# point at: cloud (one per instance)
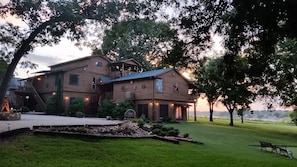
(50, 55)
(65, 51)
(43, 60)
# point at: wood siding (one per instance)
(86, 69)
(145, 93)
(145, 89)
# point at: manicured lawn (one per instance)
(224, 146)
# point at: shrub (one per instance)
(127, 131)
(186, 135)
(79, 114)
(25, 109)
(54, 106)
(119, 110)
(176, 132)
(168, 119)
(172, 133)
(160, 130)
(77, 105)
(157, 126)
(143, 117)
(81, 130)
(105, 108)
(156, 131)
(163, 133)
(141, 123)
(165, 129)
(50, 107)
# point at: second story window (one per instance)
(98, 64)
(94, 83)
(73, 79)
(159, 85)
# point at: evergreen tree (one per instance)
(59, 103)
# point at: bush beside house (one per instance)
(107, 108)
(77, 108)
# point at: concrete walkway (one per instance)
(30, 120)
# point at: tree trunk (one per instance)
(25, 47)
(210, 112)
(7, 77)
(231, 117)
(241, 118)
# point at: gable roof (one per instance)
(147, 74)
(79, 59)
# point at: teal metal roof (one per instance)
(105, 79)
(147, 74)
(15, 83)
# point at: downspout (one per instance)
(62, 89)
(153, 100)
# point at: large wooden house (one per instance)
(157, 94)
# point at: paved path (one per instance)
(29, 120)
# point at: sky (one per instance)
(66, 50)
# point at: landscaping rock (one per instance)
(10, 116)
(126, 129)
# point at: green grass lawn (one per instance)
(224, 146)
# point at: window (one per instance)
(98, 64)
(94, 83)
(163, 111)
(142, 110)
(73, 79)
(71, 99)
(159, 85)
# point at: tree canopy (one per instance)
(144, 40)
(240, 22)
(260, 23)
(207, 78)
(233, 91)
(282, 73)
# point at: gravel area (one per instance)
(30, 120)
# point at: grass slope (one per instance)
(224, 146)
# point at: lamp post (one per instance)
(195, 109)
